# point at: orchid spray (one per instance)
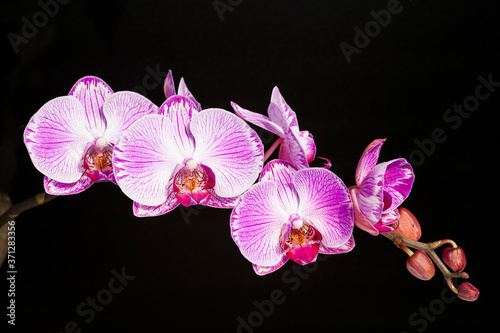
(181, 153)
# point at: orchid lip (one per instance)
(302, 242)
(98, 160)
(192, 182)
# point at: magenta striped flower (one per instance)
(296, 147)
(185, 156)
(71, 138)
(292, 214)
(379, 190)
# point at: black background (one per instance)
(189, 275)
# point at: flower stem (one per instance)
(14, 211)
(429, 248)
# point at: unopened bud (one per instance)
(454, 258)
(408, 225)
(420, 265)
(467, 292)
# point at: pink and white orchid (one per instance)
(71, 138)
(292, 214)
(296, 147)
(184, 156)
(379, 190)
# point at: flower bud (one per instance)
(408, 225)
(467, 292)
(454, 258)
(420, 265)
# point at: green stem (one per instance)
(14, 211)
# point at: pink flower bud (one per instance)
(420, 265)
(454, 258)
(408, 225)
(467, 292)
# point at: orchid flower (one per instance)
(71, 138)
(292, 214)
(296, 147)
(169, 89)
(379, 190)
(183, 156)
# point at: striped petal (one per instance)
(122, 109)
(147, 211)
(179, 111)
(286, 111)
(388, 222)
(168, 85)
(368, 160)
(228, 146)
(258, 120)
(360, 219)
(370, 194)
(145, 158)
(281, 173)
(184, 91)
(92, 92)
(306, 141)
(54, 187)
(256, 224)
(398, 181)
(291, 149)
(56, 138)
(346, 247)
(325, 203)
(263, 270)
(221, 202)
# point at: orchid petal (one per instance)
(368, 160)
(147, 211)
(325, 203)
(92, 92)
(179, 111)
(221, 202)
(145, 158)
(56, 139)
(290, 149)
(258, 120)
(168, 85)
(184, 91)
(54, 187)
(370, 196)
(398, 181)
(263, 270)
(388, 222)
(360, 219)
(286, 111)
(346, 247)
(122, 109)
(227, 145)
(306, 141)
(281, 173)
(256, 224)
